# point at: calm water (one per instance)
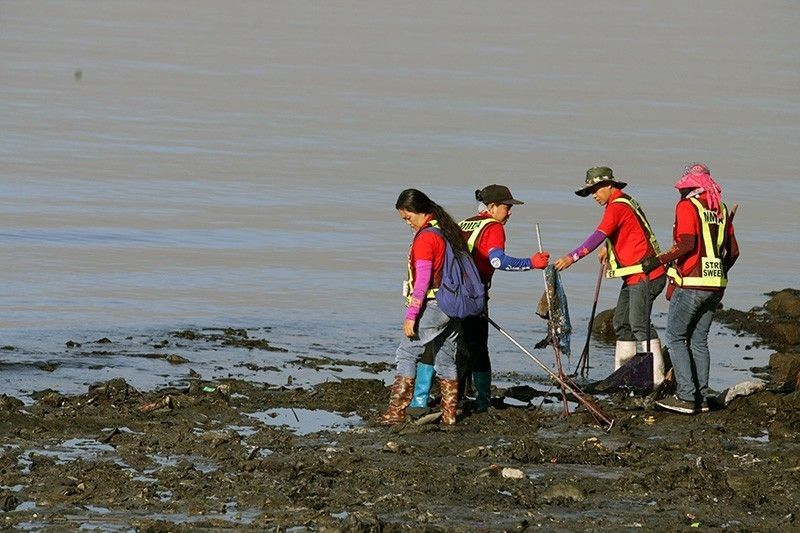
(207, 164)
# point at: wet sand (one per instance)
(238, 454)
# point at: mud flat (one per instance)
(238, 454)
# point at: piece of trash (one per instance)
(696, 524)
(512, 473)
(209, 389)
(166, 401)
(745, 388)
(429, 418)
(650, 420)
(392, 446)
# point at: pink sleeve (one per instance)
(423, 272)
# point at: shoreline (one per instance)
(239, 454)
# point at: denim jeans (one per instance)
(434, 327)
(690, 314)
(633, 310)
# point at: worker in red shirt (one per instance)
(425, 324)
(629, 240)
(704, 249)
(486, 240)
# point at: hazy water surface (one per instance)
(207, 164)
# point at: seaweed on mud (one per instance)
(202, 461)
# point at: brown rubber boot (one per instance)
(449, 390)
(402, 391)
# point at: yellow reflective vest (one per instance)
(614, 269)
(709, 271)
(408, 284)
(472, 228)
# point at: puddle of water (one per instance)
(562, 470)
(25, 506)
(144, 479)
(243, 431)
(96, 509)
(305, 421)
(764, 437)
(68, 451)
(122, 429)
(201, 464)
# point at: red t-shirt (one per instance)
(492, 236)
(428, 245)
(631, 244)
(687, 222)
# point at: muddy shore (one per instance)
(236, 454)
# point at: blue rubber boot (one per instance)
(422, 386)
(482, 381)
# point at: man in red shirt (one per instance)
(704, 249)
(629, 240)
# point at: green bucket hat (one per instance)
(597, 177)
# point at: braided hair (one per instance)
(416, 201)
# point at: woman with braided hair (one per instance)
(424, 322)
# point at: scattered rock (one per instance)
(512, 473)
(785, 303)
(787, 333)
(564, 491)
(603, 326)
(8, 502)
(9, 403)
(785, 368)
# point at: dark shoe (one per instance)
(704, 406)
(676, 405)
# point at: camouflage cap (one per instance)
(597, 177)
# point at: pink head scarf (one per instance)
(697, 176)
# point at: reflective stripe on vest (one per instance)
(408, 285)
(711, 272)
(616, 271)
(474, 228)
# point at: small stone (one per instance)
(564, 491)
(512, 473)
